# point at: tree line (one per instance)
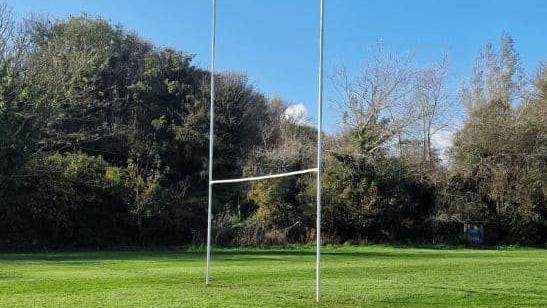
(104, 142)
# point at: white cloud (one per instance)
(297, 113)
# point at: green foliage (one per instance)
(104, 141)
(500, 158)
(66, 200)
(374, 197)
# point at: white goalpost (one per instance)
(317, 169)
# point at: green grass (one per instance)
(374, 276)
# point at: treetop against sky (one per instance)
(275, 42)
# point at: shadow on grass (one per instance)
(245, 254)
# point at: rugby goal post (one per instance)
(317, 169)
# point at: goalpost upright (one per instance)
(317, 169)
(319, 156)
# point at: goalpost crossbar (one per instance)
(263, 177)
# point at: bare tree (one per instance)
(497, 78)
(7, 29)
(287, 140)
(381, 90)
(433, 103)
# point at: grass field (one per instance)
(374, 276)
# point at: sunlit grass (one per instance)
(374, 276)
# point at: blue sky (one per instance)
(275, 42)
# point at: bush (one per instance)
(67, 200)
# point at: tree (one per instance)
(434, 105)
(499, 149)
(370, 193)
(71, 200)
(377, 99)
(282, 208)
